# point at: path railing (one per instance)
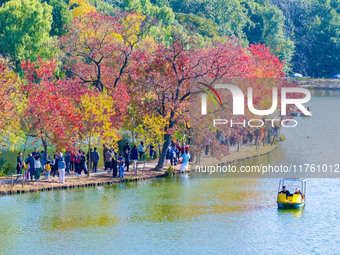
(16, 177)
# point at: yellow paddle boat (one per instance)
(297, 199)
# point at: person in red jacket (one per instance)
(178, 149)
(72, 165)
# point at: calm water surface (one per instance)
(188, 214)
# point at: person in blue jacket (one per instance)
(61, 168)
(30, 160)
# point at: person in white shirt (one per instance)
(61, 167)
(38, 168)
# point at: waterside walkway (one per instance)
(104, 178)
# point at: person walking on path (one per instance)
(178, 150)
(141, 150)
(56, 161)
(127, 159)
(151, 150)
(30, 161)
(185, 160)
(95, 158)
(173, 158)
(48, 169)
(43, 159)
(108, 160)
(27, 172)
(127, 147)
(72, 162)
(114, 164)
(19, 163)
(38, 168)
(168, 155)
(77, 160)
(61, 168)
(68, 161)
(134, 158)
(121, 166)
(82, 164)
(35, 153)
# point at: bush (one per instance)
(170, 171)
(5, 168)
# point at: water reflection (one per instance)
(189, 213)
(295, 212)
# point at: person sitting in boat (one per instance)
(297, 191)
(284, 191)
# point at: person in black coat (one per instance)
(134, 158)
(114, 164)
(127, 147)
(19, 163)
(284, 191)
(127, 159)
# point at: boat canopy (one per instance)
(294, 180)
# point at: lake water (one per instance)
(188, 214)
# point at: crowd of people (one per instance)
(177, 152)
(38, 163)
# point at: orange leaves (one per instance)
(11, 106)
(265, 65)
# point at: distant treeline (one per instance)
(303, 33)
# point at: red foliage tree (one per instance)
(51, 104)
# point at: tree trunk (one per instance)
(23, 155)
(154, 153)
(45, 147)
(159, 149)
(162, 157)
(206, 149)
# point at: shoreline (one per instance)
(103, 178)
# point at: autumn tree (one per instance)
(165, 77)
(98, 50)
(51, 104)
(12, 104)
(98, 122)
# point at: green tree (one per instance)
(3, 1)
(314, 27)
(163, 14)
(192, 22)
(324, 56)
(61, 16)
(267, 27)
(105, 6)
(24, 28)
